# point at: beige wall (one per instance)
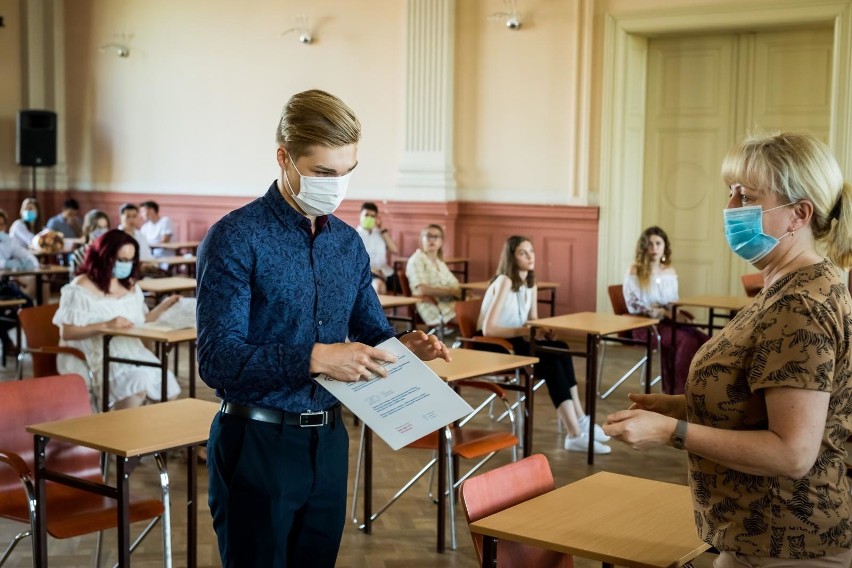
(11, 82)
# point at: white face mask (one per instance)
(319, 195)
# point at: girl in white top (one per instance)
(24, 229)
(650, 288)
(509, 303)
(429, 275)
(105, 297)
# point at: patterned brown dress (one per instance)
(796, 333)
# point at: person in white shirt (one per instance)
(378, 242)
(24, 229)
(129, 213)
(156, 229)
(13, 256)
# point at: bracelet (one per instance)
(679, 435)
(398, 335)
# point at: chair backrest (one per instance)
(404, 287)
(753, 283)
(44, 399)
(467, 316)
(616, 298)
(502, 488)
(37, 325)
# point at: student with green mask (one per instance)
(377, 241)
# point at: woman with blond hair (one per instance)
(768, 401)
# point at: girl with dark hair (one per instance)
(650, 288)
(95, 224)
(104, 296)
(509, 303)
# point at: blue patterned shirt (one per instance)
(268, 290)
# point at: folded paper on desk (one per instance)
(410, 403)
(179, 316)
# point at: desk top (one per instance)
(593, 322)
(627, 521)
(169, 284)
(484, 284)
(172, 260)
(177, 245)
(43, 269)
(720, 302)
(397, 301)
(469, 363)
(136, 431)
(156, 333)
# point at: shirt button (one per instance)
(320, 322)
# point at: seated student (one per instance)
(12, 256)
(95, 224)
(156, 228)
(104, 297)
(68, 221)
(24, 229)
(378, 242)
(650, 287)
(129, 213)
(429, 275)
(508, 304)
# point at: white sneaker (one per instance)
(581, 444)
(600, 436)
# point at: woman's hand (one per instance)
(169, 302)
(672, 405)
(640, 429)
(119, 322)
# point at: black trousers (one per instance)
(277, 493)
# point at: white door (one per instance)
(704, 93)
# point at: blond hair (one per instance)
(797, 166)
(312, 118)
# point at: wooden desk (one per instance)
(394, 302)
(39, 273)
(172, 263)
(595, 327)
(481, 286)
(128, 435)
(625, 521)
(465, 364)
(730, 304)
(165, 339)
(178, 246)
(162, 286)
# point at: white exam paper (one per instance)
(410, 403)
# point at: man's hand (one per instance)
(349, 362)
(426, 347)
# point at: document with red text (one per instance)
(411, 402)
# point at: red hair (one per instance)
(101, 256)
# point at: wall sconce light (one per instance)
(511, 17)
(119, 49)
(303, 28)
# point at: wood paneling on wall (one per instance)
(565, 237)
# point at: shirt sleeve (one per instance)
(798, 349)
(633, 296)
(226, 358)
(167, 227)
(415, 271)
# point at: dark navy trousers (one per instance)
(277, 493)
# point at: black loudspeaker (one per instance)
(36, 144)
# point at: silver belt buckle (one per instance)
(309, 419)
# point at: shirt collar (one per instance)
(288, 213)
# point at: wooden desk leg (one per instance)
(105, 375)
(191, 369)
(191, 509)
(489, 552)
(528, 410)
(40, 536)
(442, 490)
(124, 467)
(368, 480)
(39, 282)
(592, 341)
(553, 302)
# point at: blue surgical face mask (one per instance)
(744, 232)
(29, 215)
(122, 269)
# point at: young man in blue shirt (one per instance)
(282, 284)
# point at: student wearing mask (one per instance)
(378, 242)
(24, 229)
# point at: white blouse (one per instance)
(661, 291)
(516, 305)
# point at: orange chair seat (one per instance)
(469, 443)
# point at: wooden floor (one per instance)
(404, 537)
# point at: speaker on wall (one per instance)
(36, 142)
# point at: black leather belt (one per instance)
(300, 419)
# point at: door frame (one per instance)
(623, 106)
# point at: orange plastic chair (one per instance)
(504, 487)
(752, 283)
(70, 512)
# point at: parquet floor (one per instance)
(404, 537)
